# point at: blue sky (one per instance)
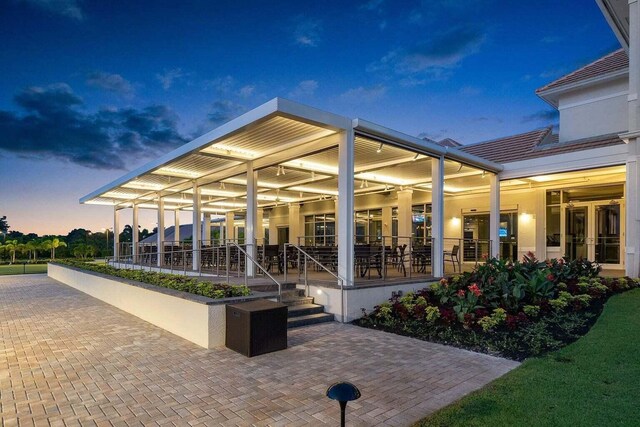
(91, 89)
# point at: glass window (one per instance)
(319, 229)
(421, 221)
(553, 226)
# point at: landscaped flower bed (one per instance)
(171, 281)
(511, 309)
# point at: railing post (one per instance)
(306, 277)
(228, 261)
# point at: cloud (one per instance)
(247, 91)
(470, 91)
(546, 116)
(52, 124)
(443, 51)
(364, 94)
(168, 77)
(224, 110)
(372, 5)
(307, 32)
(304, 88)
(222, 85)
(111, 83)
(69, 8)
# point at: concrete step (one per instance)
(291, 294)
(272, 287)
(304, 310)
(297, 301)
(310, 319)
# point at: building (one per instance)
(360, 198)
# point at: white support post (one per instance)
(230, 233)
(196, 236)
(260, 226)
(437, 215)
(116, 233)
(345, 207)
(250, 225)
(494, 214)
(632, 188)
(160, 233)
(405, 202)
(135, 237)
(294, 223)
(176, 226)
(206, 227)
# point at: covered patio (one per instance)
(290, 193)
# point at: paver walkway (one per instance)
(69, 359)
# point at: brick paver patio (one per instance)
(69, 359)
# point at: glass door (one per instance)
(577, 232)
(607, 233)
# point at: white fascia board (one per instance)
(566, 162)
(551, 95)
(422, 146)
(311, 115)
(615, 22)
(276, 106)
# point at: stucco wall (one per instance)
(593, 111)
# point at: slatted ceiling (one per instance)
(194, 165)
(408, 173)
(366, 154)
(124, 193)
(267, 135)
(269, 177)
(471, 181)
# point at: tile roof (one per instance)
(535, 144)
(449, 142)
(615, 61)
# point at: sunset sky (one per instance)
(91, 89)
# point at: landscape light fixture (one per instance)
(343, 393)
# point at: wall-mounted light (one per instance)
(455, 220)
(379, 150)
(526, 217)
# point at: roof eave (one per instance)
(551, 95)
(276, 106)
(618, 24)
(425, 147)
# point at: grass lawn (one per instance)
(20, 269)
(593, 382)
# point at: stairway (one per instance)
(302, 310)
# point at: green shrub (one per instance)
(188, 284)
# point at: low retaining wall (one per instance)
(357, 298)
(196, 318)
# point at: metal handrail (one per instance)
(257, 264)
(306, 278)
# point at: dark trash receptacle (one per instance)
(256, 327)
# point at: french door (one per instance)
(595, 231)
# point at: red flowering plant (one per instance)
(466, 302)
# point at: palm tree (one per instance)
(56, 243)
(33, 247)
(11, 246)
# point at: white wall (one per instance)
(200, 323)
(597, 110)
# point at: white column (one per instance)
(196, 228)
(405, 201)
(632, 199)
(116, 233)
(250, 225)
(437, 215)
(160, 233)
(387, 223)
(494, 214)
(294, 223)
(345, 207)
(336, 212)
(134, 234)
(260, 226)
(230, 233)
(632, 216)
(273, 226)
(176, 226)
(206, 228)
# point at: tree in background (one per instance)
(82, 250)
(11, 246)
(4, 227)
(32, 248)
(52, 245)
